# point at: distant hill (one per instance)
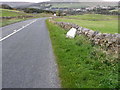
(69, 4)
(82, 4)
(76, 0)
(17, 4)
(44, 5)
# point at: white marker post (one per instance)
(71, 33)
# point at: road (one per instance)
(27, 57)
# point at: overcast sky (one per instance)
(38, 0)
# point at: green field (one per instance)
(93, 17)
(67, 5)
(80, 4)
(11, 13)
(15, 13)
(102, 23)
(81, 64)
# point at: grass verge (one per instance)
(82, 65)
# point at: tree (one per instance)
(5, 6)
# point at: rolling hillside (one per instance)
(16, 4)
(16, 16)
(11, 13)
(76, 0)
(82, 4)
(71, 4)
(51, 4)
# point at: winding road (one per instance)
(27, 56)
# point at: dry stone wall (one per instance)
(110, 42)
(15, 17)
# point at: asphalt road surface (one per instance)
(27, 56)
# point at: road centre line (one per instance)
(15, 31)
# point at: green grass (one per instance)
(82, 65)
(80, 4)
(15, 13)
(9, 10)
(115, 10)
(11, 13)
(67, 5)
(102, 23)
(94, 17)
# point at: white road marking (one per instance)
(15, 31)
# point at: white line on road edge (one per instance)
(15, 31)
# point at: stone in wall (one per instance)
(110, 41)
(90, 33)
